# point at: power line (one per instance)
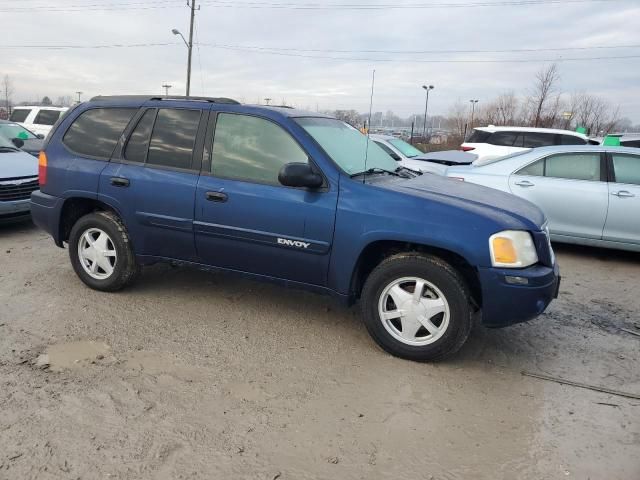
(316, 50)
(161, 4)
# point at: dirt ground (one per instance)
(195, 375)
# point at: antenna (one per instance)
(366, 150)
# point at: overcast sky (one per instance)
(250, 74)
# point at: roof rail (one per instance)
(162, 97)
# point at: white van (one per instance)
(38, 119)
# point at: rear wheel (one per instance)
(417, 307)
(101, 253)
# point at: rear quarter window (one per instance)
(570, 140)
(47, 117)
(20, 114)
(479, 136)
(95, 132)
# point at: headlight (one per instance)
(512, 249)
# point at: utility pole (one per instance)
(193, 16)
(473, 110)
(79, 93)
(166, 87)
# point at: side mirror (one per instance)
(299, 175)
(40, 136)
(18, 142)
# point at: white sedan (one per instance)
(590, 194)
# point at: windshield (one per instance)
(407, 149)
(346, 145)
(13, 130)
(5, 144)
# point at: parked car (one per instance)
(18, 178)
(590, 194)
(286, 196)
(38, 119)
(626, 140)
(21, 137)
(492, 142)
(410, 157)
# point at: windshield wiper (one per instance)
(8, 149)
(377, 170)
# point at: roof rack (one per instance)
(162, 97)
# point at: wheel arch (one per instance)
(74, 208)
(376, 251)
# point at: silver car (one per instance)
(590, 194)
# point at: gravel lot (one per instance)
(196, 375)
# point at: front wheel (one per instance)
(417, 307)
(101, 253)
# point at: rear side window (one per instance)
(630, 143)
(626, 168)
(138, 144)
(252, 149)
(571, 140)
(47, 117)
(479, 136)
(20, 114)
(173, 138)
(574, 166)
(538, 139)
(95, 132)
(503, 139)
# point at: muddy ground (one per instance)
(196, 375)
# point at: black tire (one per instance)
(441, 275)
(125, 269)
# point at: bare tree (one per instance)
(543, 103)
(7, 91)
(593, 113)
(458, 118)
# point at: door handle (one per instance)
(119, 182)
(623, 194)
(525, 183)
(216, 196)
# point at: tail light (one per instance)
(42, 168)
(467, 149)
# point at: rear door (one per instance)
(570, 188)
(623, 220)
(153, 180)
(245, 219)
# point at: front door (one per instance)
(153, 183)
(569, 188)
(623, 220)
(246, 220)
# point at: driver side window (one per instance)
(252, 149)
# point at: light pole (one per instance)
(267, 100)
(166, 87)
(189, 45)
(79, 93)
(473, 110)
(426, 106)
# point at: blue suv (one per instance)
(294, 197)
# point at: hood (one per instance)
(506, 209)
(17, 164)
(448, 157)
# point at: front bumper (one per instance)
(45, 212)
(516, 295)
(14, 210)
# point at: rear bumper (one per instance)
(516, 295)
(45, 212)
